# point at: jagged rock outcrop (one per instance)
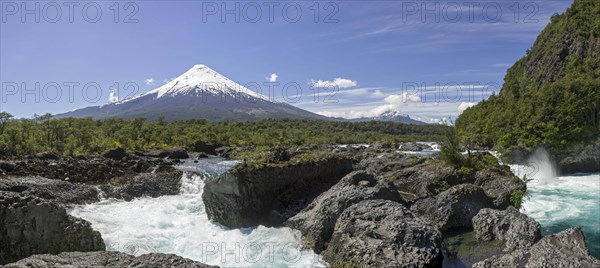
(515, 229)
(116, 154)
(47, 156)
(584, 159)
(564, 249)
(316, 222)
(57, 191)
(423, 177)
(149, 184)
(65, 193)
(269, 194)
(30, 225)
(454, 207)
(381, 233)
(417, 177)
(499, 183)
(203, 147)
(106, 259)
(81, 169)
(170, 153)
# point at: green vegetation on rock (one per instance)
(516, 198)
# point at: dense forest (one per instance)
(551, 97)
(83, 136)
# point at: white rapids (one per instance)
(179, 225)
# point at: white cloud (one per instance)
(272, 78)
(166, 81)
(354, 92)
(432, 112)
(464, 105)
(338, 82)
(378, 93)
(149, 81)
(392, 103)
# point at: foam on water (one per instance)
(559, 203)
(179, 225)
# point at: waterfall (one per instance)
(541, 167)
(193, 183)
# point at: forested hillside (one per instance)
(550, 97)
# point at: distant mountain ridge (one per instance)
(393, 116)
(199, 93)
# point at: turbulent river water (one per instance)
(179, 225)
(561, 202)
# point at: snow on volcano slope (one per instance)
(202, 79)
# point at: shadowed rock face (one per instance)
(269, 195)
(106, 259)
(30, 225)
(585, 160)
(499, 184)
(454, 207)
(515, 229)
(381, 233)
(564, 249)
(317, 221)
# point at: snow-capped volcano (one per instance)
(199, 93)
(202, 79)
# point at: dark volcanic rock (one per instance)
(89, 170)
(203, 147)
(224, 151)
(499, 183)
(413, 146)
(416, 177)
(60, 192)
(581, 160)
(564, 249)
(171, 153)
(268, 195)
(116, 154)
(515, 229)
(454, 207)
(106, 259)
(30, 225)
(152, 185)
(317, 220)
(47, 156)
(379, 233)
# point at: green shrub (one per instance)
(440, 185)
(465, 171)
(450, 148)
(516, 198)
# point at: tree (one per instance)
(4, 118)
(45, 120)
(450, 148)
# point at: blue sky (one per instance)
(377, 50)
